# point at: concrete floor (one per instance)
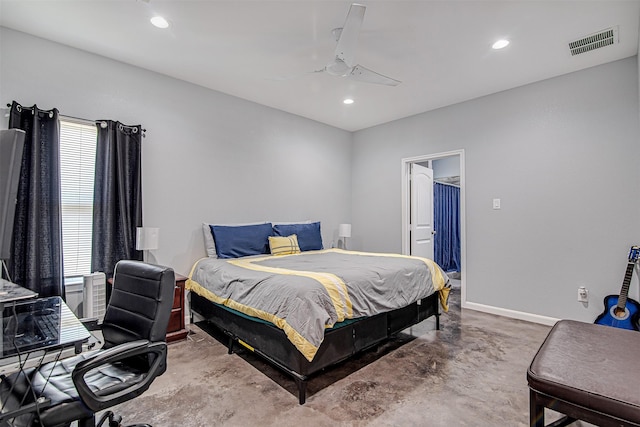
(470, 373)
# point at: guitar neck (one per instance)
(622, 300)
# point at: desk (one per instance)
(10, 292)
(34, 332)
(40, 324)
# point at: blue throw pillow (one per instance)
(309, 237)
(242, 240)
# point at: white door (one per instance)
(421, 211)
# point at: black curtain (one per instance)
(36, 256)
(117, 208)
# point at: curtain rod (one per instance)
(446, 183)
(82, 119)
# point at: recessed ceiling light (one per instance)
(159, 22)
(348, 101)
(500, 44)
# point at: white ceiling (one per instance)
(263, 50)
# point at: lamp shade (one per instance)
(147, 238)
(344, 230)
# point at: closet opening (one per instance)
(442, 209)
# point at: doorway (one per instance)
(455, 158)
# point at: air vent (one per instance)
(594, 41)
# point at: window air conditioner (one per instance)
(94, 300)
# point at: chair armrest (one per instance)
(123, 351)
(91, 323)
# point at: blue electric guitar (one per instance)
(620, 311)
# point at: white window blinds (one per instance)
(77, 170)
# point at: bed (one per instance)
(273, 289)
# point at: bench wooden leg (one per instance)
(536, 413)
(536, 410)
(562, 422)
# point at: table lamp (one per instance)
(344, 231)
(147, 238)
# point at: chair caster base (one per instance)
(116, 421)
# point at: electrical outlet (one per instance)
(583, 294)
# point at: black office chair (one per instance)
(133, 354)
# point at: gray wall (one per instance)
(207, 156)
(562, 154)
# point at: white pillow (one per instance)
(209, 243)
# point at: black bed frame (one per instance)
(339, 344)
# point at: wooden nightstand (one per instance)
(176, 329)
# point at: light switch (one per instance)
(496, 203)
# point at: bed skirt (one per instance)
(339, 343)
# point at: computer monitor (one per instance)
(11, 146)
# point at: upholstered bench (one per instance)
(587, 372)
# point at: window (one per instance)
(77, 170)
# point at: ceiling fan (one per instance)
(343, 64)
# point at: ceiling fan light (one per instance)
(500, 44)
(160, 22)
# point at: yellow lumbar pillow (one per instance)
(284, 245)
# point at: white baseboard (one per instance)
(520, 315)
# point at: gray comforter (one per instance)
(305, 293)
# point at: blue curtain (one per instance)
(446, 203)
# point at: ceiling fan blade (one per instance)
(363, 74)
(348, 41)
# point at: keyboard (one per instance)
(33, 330)
(37, 331)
